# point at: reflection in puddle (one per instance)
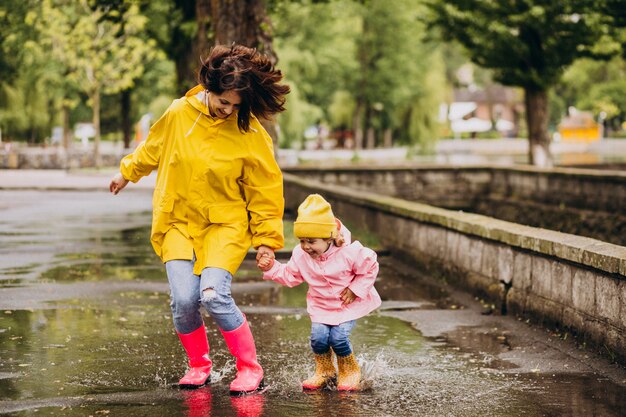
(100, 354)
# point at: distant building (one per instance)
(476, 110)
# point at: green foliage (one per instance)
(397, 66)
(299, 114)
(375, 57)
(341, 109)
(27, 113)
(526, 43)
(596, 86)
(338, 53)
(315, 44)
(25, 77)
(99, 54)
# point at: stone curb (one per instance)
(590, 252)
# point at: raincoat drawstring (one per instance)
(194, 124)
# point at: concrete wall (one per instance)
(570, 281)
(583, 202)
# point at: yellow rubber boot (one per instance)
(324, 371)
(349, 378)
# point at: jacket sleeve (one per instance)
(365, 270)
(288, 275)
(263, 189)
(146, 157)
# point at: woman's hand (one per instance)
(118, 182)
(265, 263)
(347, 296)
(265, 257)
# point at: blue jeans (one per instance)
(211, 289)
(324, 336)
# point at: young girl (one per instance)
(341, 279)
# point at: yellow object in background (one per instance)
(580, 127)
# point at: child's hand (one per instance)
(265, 262)
(347, 296)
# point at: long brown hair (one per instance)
(251, 74)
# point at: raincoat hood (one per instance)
(198, 98)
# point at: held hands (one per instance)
(347, 296)
(265, 258)
(118, 182)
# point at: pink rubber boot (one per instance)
(196, 345)
(249, 373)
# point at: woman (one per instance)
(218, 191)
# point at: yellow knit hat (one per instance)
(315, 219)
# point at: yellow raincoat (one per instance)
(218, 191)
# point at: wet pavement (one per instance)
(85, 330)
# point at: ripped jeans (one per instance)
(211, 289)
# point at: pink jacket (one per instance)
(351, 265)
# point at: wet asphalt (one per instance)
(85, 329)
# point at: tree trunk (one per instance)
(537, 121)
(126, 124)
(203, 23)
(181, 47)
(370, 133)
(387, 138)
(67, 133)
(96, 125)
(370, 138)
(245, 22)
(357, 126)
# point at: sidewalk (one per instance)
(40, 179)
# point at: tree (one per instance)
(23, 83)
(392, 91)
(100, 55)
(363, 67)
(527, 43)
(615, 15)
(316, 43)
(597, 87)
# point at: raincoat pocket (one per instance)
(227, 214)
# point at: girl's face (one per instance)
(222, 105)
(315, 246)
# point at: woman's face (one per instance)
(222, 105)
(314, 246)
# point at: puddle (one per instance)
(89, 332)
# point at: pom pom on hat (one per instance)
(315, 219)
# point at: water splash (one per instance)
(373, 369)
(218, 374)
